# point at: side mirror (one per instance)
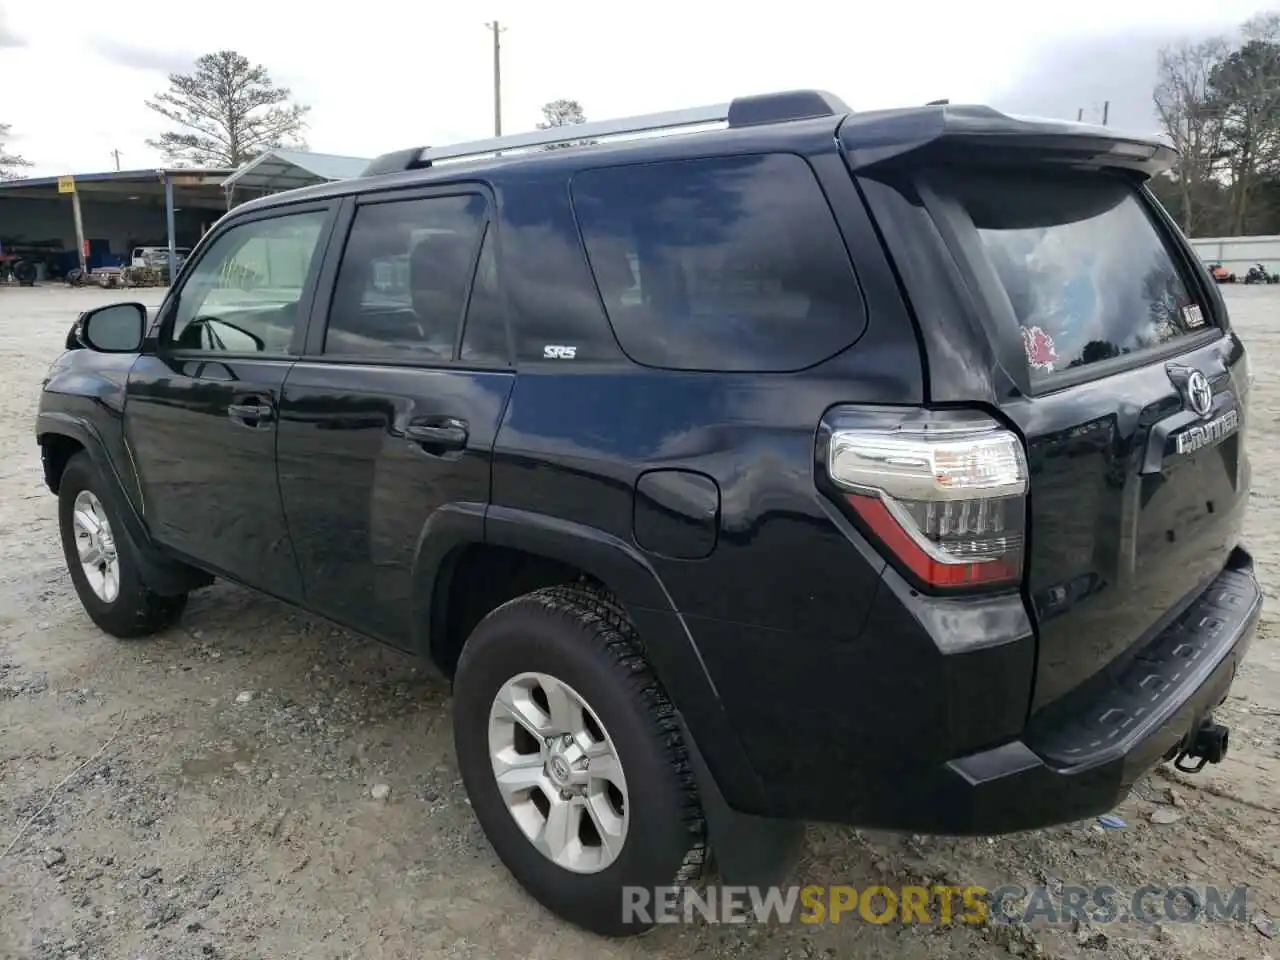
(116, 328)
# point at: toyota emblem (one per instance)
(1199, 393)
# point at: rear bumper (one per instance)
(889, 731)
(1085, 759)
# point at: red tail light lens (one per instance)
(945, 494)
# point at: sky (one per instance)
(386, 76)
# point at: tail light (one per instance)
(943, 491)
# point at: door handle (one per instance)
(443, 434)
(251, 413)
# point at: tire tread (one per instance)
(592, 606)
(137, 611)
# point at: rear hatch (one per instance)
(1051, 288)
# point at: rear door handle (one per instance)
(251, 413)
(446, 433)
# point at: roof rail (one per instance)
(740, 112)
(645, 123)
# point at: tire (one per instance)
(130, 610)
(582, 640)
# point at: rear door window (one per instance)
(1085, 268)
(402, 284)
(727, 264)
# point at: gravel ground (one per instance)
(227, 806)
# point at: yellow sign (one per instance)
(66, 184)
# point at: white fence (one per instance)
(1238, 254)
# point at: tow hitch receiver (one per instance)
(1207, 744)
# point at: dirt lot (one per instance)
(226, 807)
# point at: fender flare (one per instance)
(84, 432)
(748, 848)
(161, 574)
(460, 524)
(79, 429)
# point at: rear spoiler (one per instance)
(950, 132)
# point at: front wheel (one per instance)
(574, 762)
(102, 560)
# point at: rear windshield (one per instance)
(1086, 270)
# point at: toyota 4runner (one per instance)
(793, 464)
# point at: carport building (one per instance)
(279, 170)
(93, 220)
(54, 221)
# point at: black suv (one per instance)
(794, 464)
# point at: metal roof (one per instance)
(209, 175)
(286, 169)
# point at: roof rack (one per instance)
(740, 112)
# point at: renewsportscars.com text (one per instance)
(940, 905)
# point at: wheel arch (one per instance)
(748, 847)
(56, 451)
(566, 551)
(632, 582)
(61, 436)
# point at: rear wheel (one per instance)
(102, 560)
(573, 760)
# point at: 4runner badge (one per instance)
(1197, 396)
(1207, 434)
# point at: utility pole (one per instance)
(1080, 115)
(1106, 111)
(116, 154)
(497, 76)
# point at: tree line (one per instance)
(11, 164)
(228, 111)
(1218, 101)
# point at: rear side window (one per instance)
(729, 264)
(484, 338)
(1085, 268)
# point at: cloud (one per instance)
(1086, 73)
(601, 55)
(142, 58)
(8, 36)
